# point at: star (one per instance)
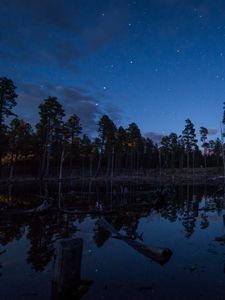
(131, 62)
(104, 87)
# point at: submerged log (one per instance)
(86, 212)
(38, 210)
(67, 283)
(160, 255)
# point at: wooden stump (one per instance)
(68, 268)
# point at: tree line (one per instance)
(57, 146)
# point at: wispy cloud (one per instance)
(76, 100)
(54, 32)
(154, 136)
(213, 131)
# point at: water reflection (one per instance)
(189, 207)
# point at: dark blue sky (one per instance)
(154, 62)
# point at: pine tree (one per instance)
(107, 134)
(121, 146)
(20, 141)
(189, 139)
(74, 129)
(48, 129)
(204, 132)
(135, 145)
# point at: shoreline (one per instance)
(166, 176)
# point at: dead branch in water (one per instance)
(160, 255)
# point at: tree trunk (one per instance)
(193, 161)
(112, 162)
(188, 159)
(99, 164)
(91, 162)
(61, 163)
(11, 167)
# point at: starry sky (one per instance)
(154, 62)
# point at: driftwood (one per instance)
(117, 209)
(38, 210)
(67, 283)
(91, 212)
(160, 255)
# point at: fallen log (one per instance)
(86, 212)
(159, 255)
(38, 210)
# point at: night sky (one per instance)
(154, 62)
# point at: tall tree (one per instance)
(222, 139)
(121, 146)
(85, 152)
(174, 148)
(48, 129)
(165, 150)
(7, 102)
(135, 145)
(204, 132)
(151, 155)
(74, 129)
(20, 141)
(189, 138)
(107, 134)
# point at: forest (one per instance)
(56, 145)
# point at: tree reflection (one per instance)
(186, 204)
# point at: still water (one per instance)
(185, 219)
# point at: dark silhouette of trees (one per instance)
(74, 129)
(48, 131)
(135, 146)
(190, 141)
(107, 135)
(57, 147)
(7, 102)
(20, 138)
(203, 139)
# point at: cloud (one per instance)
(114, 112)
(57, 33)
(154, 136)
(212, 131)
(111, 25)
(76, 100)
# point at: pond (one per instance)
(185, 219)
